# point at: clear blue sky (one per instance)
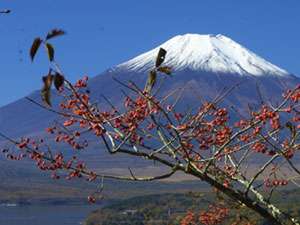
(103, 33)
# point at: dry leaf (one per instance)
(34, 47)
(58, 80)
(160, 57)
(46, 90)
(50, 51)
(165, 70)
(55, 33)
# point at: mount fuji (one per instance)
(210, 53)
(202, 65)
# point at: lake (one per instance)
(44, 214)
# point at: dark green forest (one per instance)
(169, 209)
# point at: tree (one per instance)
(202, 143)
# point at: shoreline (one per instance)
(48, 202)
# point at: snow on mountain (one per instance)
(211, 53)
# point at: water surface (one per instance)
(44, 214)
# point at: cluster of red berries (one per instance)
(275, 182)
(214, 215)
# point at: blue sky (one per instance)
(104, 33)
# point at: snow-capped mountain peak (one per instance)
(213, 53)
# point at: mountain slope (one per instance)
(203, 65)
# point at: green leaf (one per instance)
(160, 57)
(50, 51)
(55, 33)
(34, 47)
(46, 90)
(58, 80)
